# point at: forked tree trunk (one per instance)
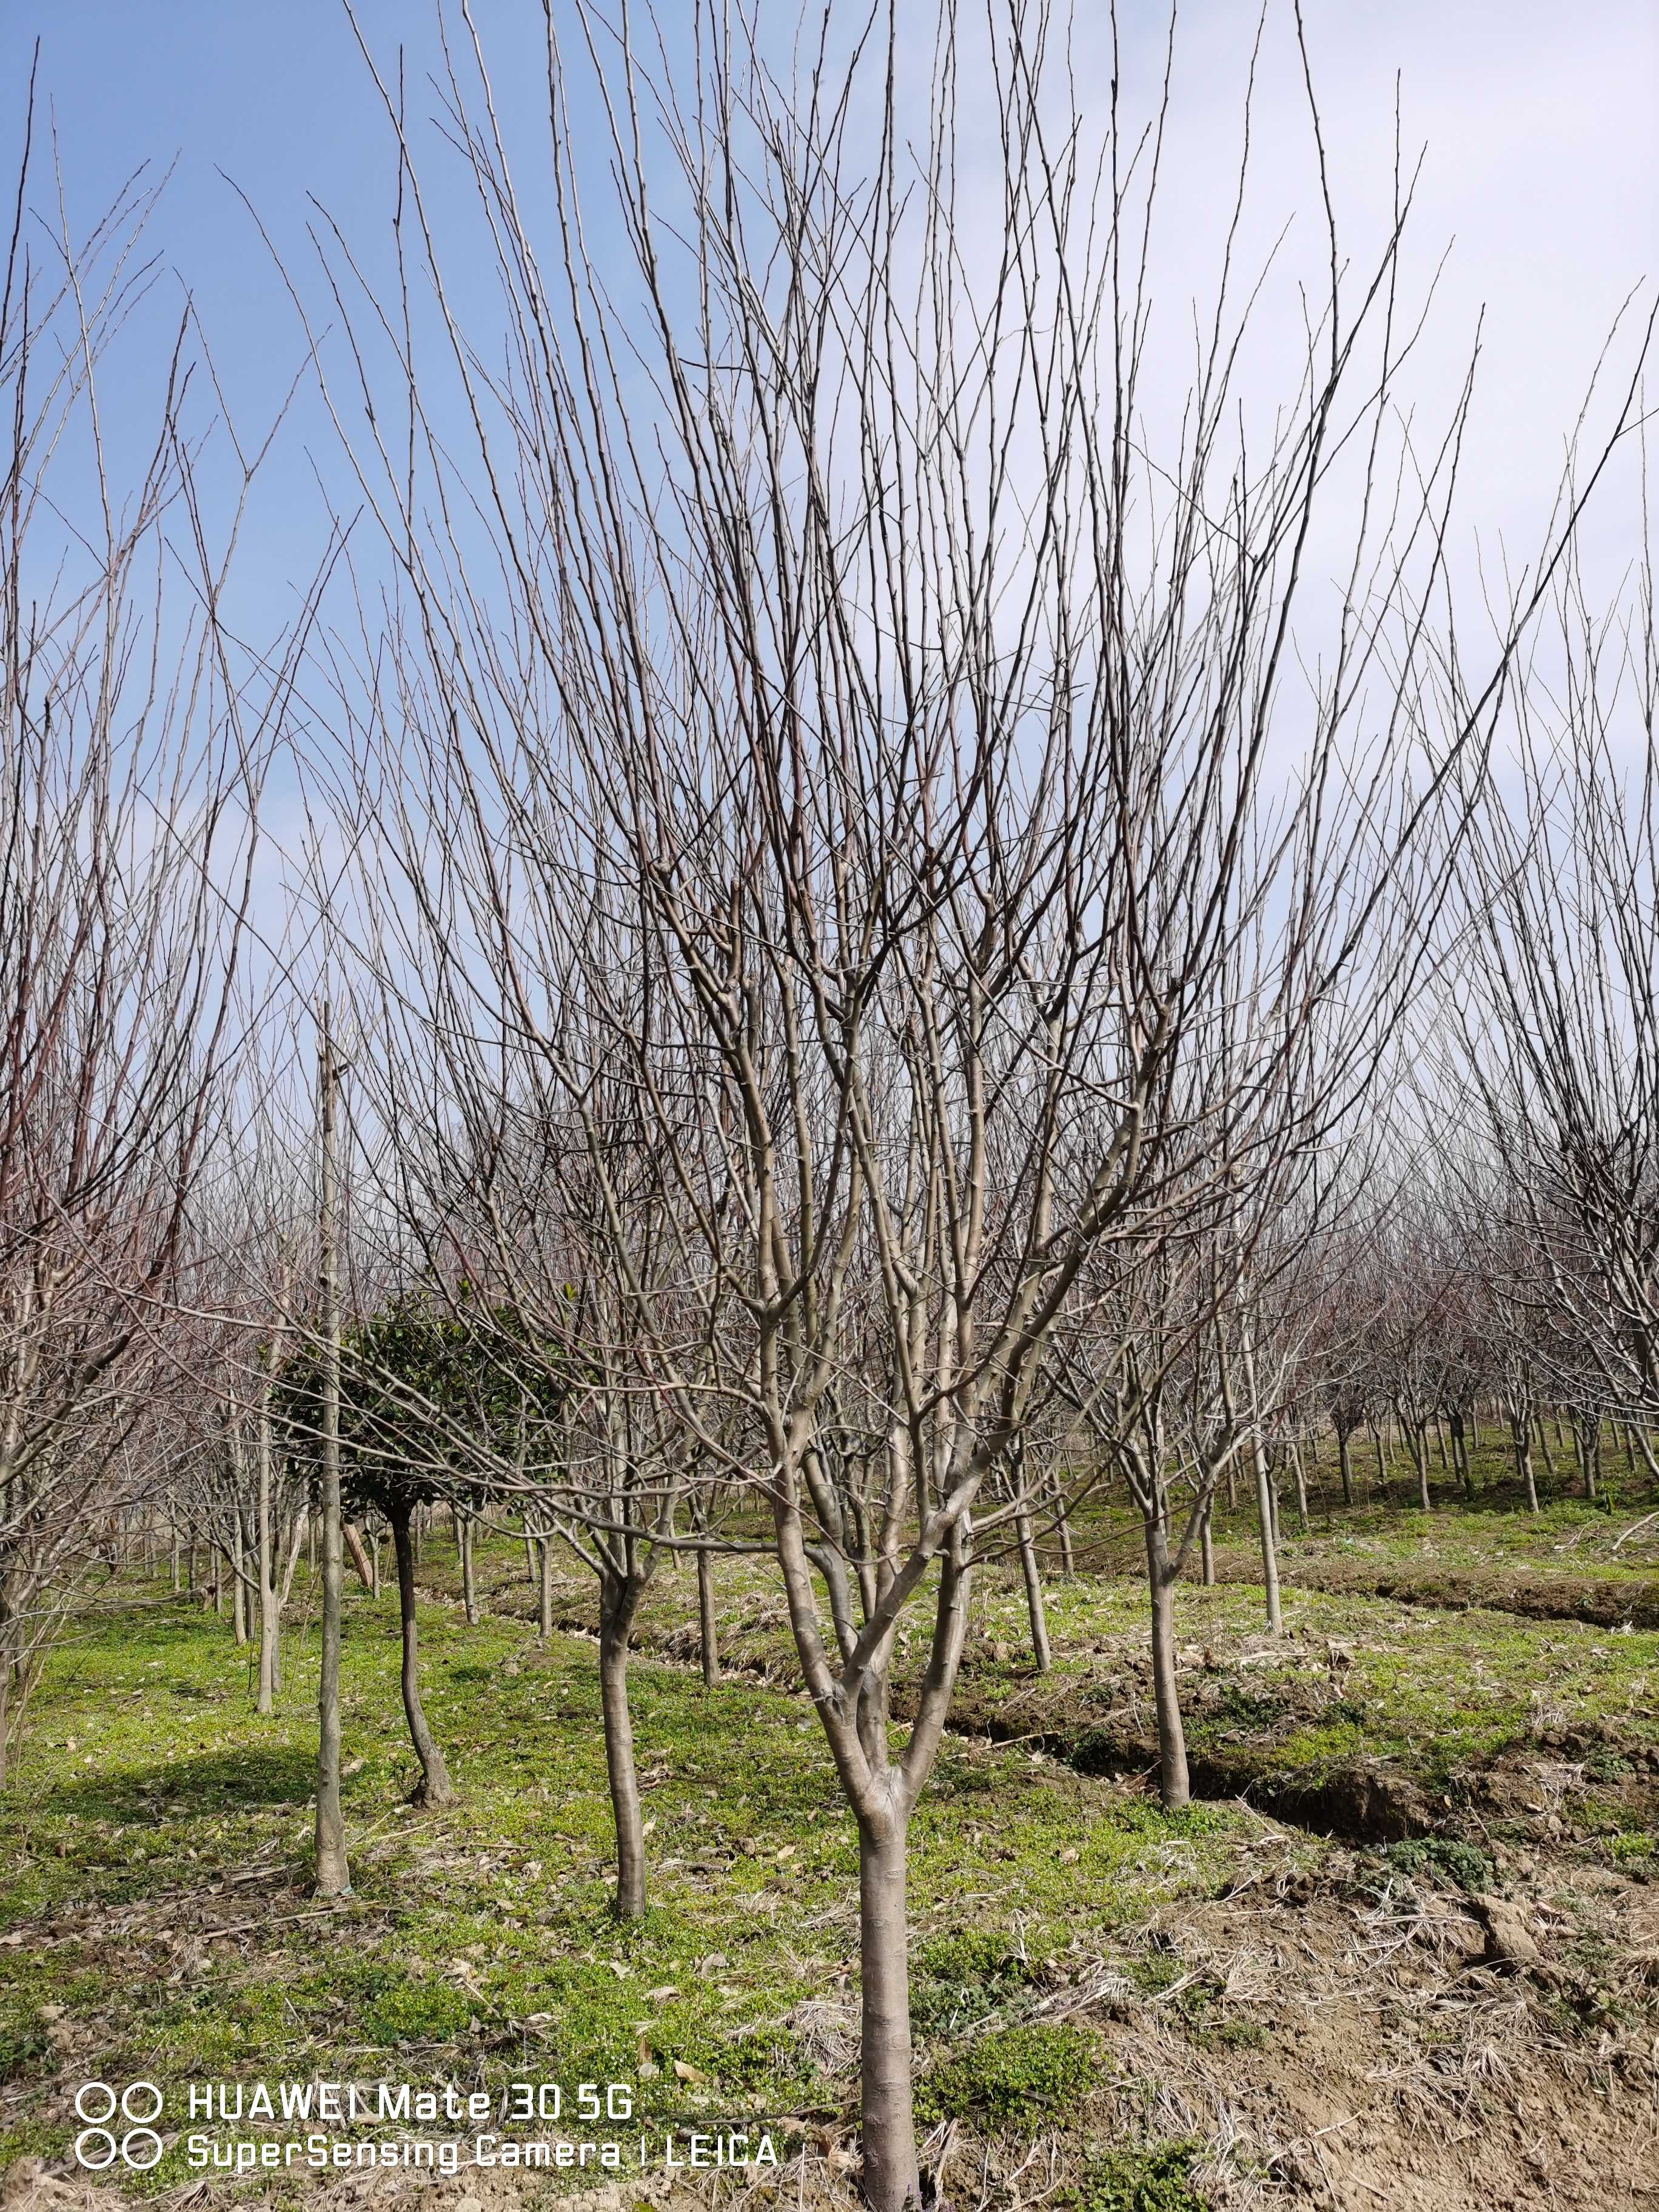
(1173, 1784)
(707, 1633)
(891, 2180)
(436, 1788)
(624, 1783)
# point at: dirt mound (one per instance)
(1603, 1600)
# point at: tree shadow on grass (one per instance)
(240, 1780)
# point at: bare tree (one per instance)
(136, 735)
(815, 712)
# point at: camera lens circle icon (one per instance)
(140, 2089)
(141, 2147)
(95, 2089)
(94, 2147)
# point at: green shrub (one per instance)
(22, 2043)
(960, 1979)
(763, 2060)
(1471, 1870)
(1009, 2076)
(1152, 2180)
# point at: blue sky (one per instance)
(1543, 162)
(1542, 173)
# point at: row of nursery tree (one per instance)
(834, 930)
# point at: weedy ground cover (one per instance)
(1086, 1970)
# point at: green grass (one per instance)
(479, 1947)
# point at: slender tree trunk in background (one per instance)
(1460, 1456)
(1174, 1785)
(1417, 1442)
(469, 1589)
(615, 1619)
(1063, 1524)
(239, 1609)
(1382, 1466)
(529, 1557)
(1300, 1477)
(1266, 1518)
(436, 1788)
(174, 1562)
(267, 1565)
(1521, 1429)
(890, 2177)
(1440, 1445)
(1035, 1613)
(1560, 1433)
(545, 1616)
(707, 1632)
(1264, 1514)
(352, 1537)
(333, 1873)
(1544, 1445)
(1345, 1464)
(1206, 1547)
(1588, 1438)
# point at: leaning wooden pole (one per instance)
(333, 1874)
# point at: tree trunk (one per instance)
(1034, 1606)
(619, 1760)
(1382, 1465)
(1264, 1514)
(1266, 1518)
(1417, 1443)
(354, 1543)
(333, 1874)
(1174, 1785)
(1207, 1547)
(1345, 1461)
(1063, 1523)
(707, 1633)
(434, 1787)
(1298, 1475)
(469, 1592)
(545, 1616)
(891, 2180)
(1522, 1432)
(1461, 1455)
(1544, 1445)
(267, 1565)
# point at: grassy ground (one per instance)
(1200, 1991)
